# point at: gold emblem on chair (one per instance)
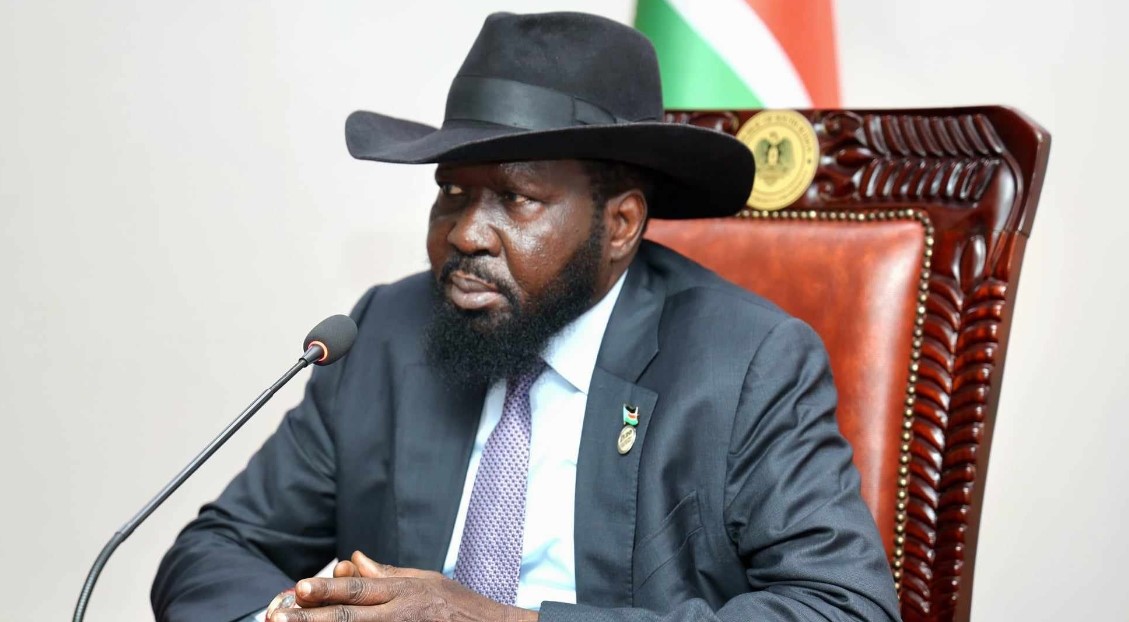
(786, 151)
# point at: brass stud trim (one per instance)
(901, 518)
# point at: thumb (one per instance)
(345, 568)
(366, 567)
(372, 569)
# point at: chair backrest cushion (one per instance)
(857, 279)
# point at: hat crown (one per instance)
(587, 57)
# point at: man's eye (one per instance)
(513, 198)
(450, 190)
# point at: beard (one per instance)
(472, 348)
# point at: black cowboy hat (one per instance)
(567, 86)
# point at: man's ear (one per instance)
(624, 217)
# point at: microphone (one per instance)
(327, 342)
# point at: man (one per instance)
(568, 422)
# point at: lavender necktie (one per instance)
(489, 560)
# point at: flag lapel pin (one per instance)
(627, 435)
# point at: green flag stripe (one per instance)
(694, 75)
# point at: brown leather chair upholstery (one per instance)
(904, 254)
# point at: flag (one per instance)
(743, 53)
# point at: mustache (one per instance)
(478, 267)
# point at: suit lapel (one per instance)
(607, 482)
(435, 431)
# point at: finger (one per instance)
(319, 592)
(335, 613)
(370, 568)
(345, 568)
(366, 567)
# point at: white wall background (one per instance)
(174, 188)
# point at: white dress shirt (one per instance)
(557, 400)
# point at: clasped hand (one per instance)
(362, 590)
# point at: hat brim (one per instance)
(713, 172)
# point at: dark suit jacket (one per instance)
(738, 501)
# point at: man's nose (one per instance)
(474, 232)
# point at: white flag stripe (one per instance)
(735, 30)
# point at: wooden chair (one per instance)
(904, 253)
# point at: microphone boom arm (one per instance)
(315, 352)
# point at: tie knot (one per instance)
(521, 383)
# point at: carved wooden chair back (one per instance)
(904, 253)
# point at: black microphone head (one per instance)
(335, 334)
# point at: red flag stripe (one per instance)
(806, 31)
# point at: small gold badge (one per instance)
(626, 439)
(786, 151)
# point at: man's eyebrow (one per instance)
(443, 174)
(522, 171)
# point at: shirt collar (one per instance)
(572, 352)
